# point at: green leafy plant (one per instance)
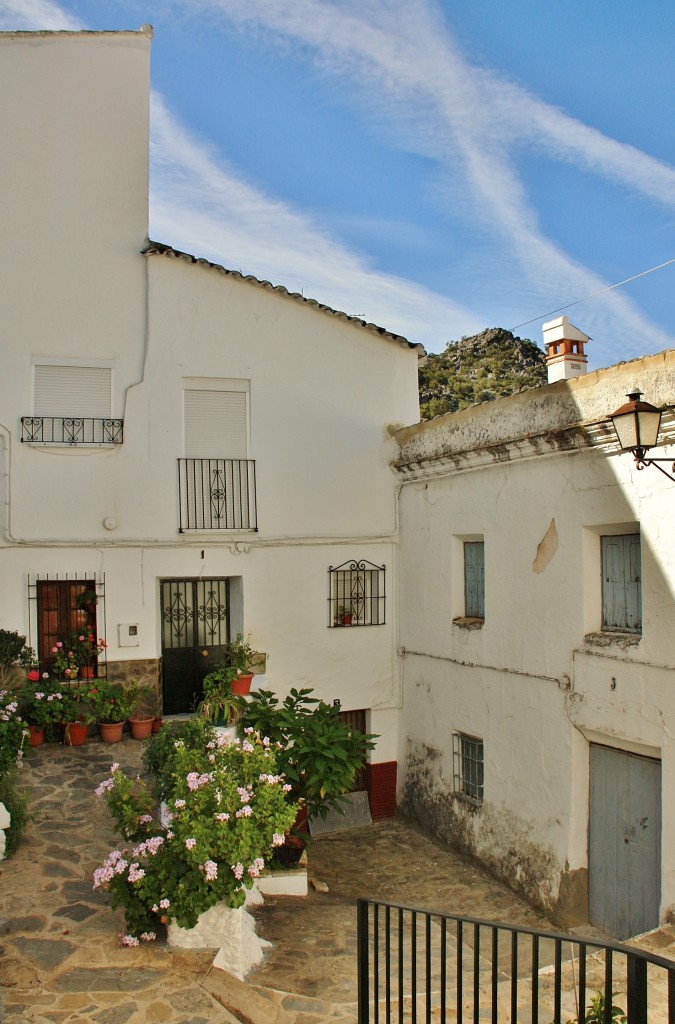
(41, 701)
(14, 654)
(228, 813)
(320, 754)
(238, 654)
(111, 702)
(13, 732)
(16, 802)
(218, 703)
(85, 647)
(159, 755)
(596, 1012)
(64, 661)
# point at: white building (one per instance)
(206, 452)
(186, 454)
(537, 610)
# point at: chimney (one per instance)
(565, 356)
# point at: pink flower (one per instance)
(127, 940)
(148, 936)
(210, 870)
(238, 871)
(34, 676)
(190, 843)
(278, 839)
(165, 904)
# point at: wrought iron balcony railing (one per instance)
(419, 965)
(73, 430)
(217, 494)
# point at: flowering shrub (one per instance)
(86, 647)
(12, 732)
(228, 810)
(40, 701)
(63, 660)
(110, 702)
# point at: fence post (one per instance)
(362, 959)
(636, 977)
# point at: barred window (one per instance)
(356, 594)
(468, 766)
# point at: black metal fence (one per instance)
(418, 965)
(71, 430)
(217, 494)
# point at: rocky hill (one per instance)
(481, 368)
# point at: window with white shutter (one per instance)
(72, 405)
(215, 424)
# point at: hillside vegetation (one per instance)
(481, 368)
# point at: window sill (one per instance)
(468, 622)
(622, 640)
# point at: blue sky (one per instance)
(436, 168)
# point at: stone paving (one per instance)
(59, 959)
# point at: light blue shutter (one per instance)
(474, 579)
(621, 583)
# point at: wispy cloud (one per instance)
(32, 15)
(201, 204)
(406, 68)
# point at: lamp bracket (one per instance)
(641, 462)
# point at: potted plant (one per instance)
(87, 600)
(228, 813)
(112, 705)
(142, 715)
(86, 650)
(76, 715)
(64, 661)
(238, 654)
(219, 704)
(344, 616)
(39, 705)
(318, 753)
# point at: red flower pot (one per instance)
(157, 724)
(75, 733)
(111, 732)
(242, 685)
(37, 735)
(140, 728)
(87, 672)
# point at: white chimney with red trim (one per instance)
(565, 356)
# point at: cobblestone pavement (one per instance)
(60, 962)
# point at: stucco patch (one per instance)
(547, 548)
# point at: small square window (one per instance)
(356, 594)
(468, 766)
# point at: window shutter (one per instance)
(72, 391)
(215, 425)
(621, 583)
(474, 579)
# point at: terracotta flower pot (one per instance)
(75, 733)
(111, 732)
(87, 672)
(37, 735)
(157, 723)
(242, 685)
(140, 728)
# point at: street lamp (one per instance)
(637, 428)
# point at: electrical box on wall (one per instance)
(128, 634)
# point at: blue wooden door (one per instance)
(624, 844)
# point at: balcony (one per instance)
(71, 430)
(217, 494)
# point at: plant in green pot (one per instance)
(219, 704)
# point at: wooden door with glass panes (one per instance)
(63, 608)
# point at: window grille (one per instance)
(356, 594)
(468, 765)
(65, 603)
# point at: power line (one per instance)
(593, 295)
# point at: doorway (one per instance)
(195, 626)
(624, 844)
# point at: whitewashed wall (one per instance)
(528, 682)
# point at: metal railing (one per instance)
(71, 430)
(419, 965)
(217, 494)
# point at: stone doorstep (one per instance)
(257, 1005)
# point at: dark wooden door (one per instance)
(195, 626)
